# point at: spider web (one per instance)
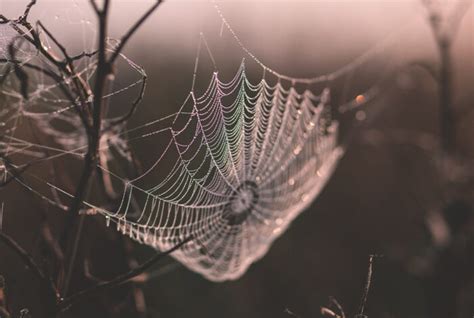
(246, 167)
(46, 111)
(247, 157)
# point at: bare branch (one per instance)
(3, 19)
(19, 72)
(338, 306)
(12, 170)
(24, 17)
(90, 161)
(58, 79)
(135, 104)
(94, 6)
(56, 42)
(121, 279)
(78, 91)
(83, 54)
(132, 30)
(368, 283)
(29, 262)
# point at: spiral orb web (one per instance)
(251, 157)
(246, 157)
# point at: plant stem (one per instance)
(33, 267)
(103, 71)
(447, 125)
(119, 280)
(365, 293)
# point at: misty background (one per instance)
(369, 206)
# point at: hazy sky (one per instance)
(275, 31)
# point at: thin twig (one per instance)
(90, 161)
(94, 6)
(74, 249)
(57, 79)
(325, 311)
(30, 5)
(119, 280)
(78, 91)
(53, 38)
(81, 88)
(132, 30)
(83, 54)
(29, 262)
(12, 170)
(338, 306)
(135, 104)
(368, 282)
(137, 291)
(19, 72)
